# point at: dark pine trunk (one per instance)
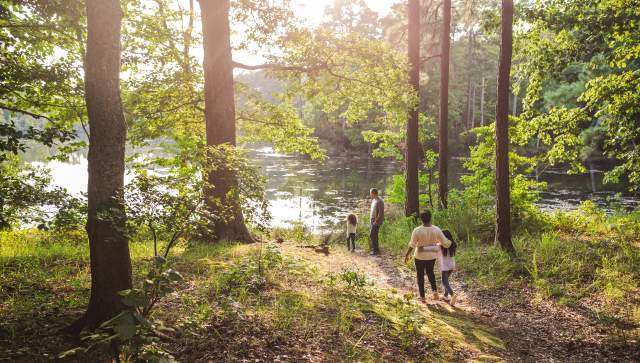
(108, 245)
(503, 212)
(411, 204)
(220, 117)
(443, 135)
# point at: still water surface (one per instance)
(321, 193)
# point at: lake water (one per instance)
(321, 193)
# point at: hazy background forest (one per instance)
(175, 177)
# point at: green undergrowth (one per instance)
(580, 258)
(236, 302)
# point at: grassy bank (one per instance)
(236, 302)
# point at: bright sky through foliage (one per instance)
(312, 12)
(313, 9)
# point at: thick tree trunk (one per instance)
(108, 245)
(443, 135)
(411, 204)
(222, 195)
(503, 210)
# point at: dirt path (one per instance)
(382, 270)
(532, 330)
(384, 273)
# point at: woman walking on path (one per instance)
(425, 260)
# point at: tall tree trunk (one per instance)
(108, 245)
(467, 114)
(503, 209)
(482, 103)
(411, 206)
(473, 106)
(443, 135)
(222, 194)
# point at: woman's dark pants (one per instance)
(427, 266)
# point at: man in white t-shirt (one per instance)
(425, 260)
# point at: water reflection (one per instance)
(565, 191)
(321, 193)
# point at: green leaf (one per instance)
(125, 326)
(173, 275)
(159, 260)
(134, 297)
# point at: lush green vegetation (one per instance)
(257, 301)
(151, 269)
(583, 258)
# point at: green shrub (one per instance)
(465, 220)
(297, 232)
(354, 279)
(626, 225)
(489, 265)
(560, 267)
(395, 233)
(587, 218)
(134, 335)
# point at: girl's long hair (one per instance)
(451, 251)
(352, 219)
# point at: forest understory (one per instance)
(270, 302)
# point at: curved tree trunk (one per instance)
(411, 204)
(503, 210)
(108, 245)
(220, 119)
(443, 134)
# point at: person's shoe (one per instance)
(423, 300)
(373, 253)
(453, 299)
(436, 297)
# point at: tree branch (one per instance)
(278, 67)
(423, 60)
(34, 115)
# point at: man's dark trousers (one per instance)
(373, 236)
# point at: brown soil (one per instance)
(533, 330)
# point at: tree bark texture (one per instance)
(411, 205)
(503, 210)
(222, 194)
(443, 134)
(108, 244)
